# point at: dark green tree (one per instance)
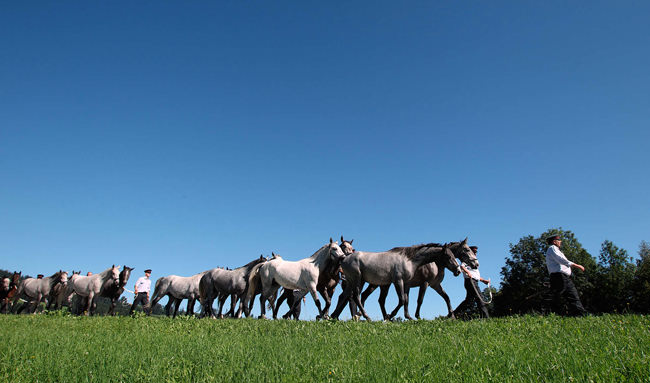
(522, 289)
(641, 283)
(614, 279)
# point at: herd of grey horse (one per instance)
(402, 267)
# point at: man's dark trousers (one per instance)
(562, 285)
(140, 298)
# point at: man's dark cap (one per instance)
(39, 276)
(552, 238)
(148, 271)
(473, 248)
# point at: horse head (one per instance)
(62, 276)
(462, 251)
(124, 275)
(449, 260)
(15, 278)
(336, 254)
(115, 275)
(346, 246)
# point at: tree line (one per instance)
(611, 283)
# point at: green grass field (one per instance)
(48, 348)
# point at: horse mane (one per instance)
(318, 251)
(249, 266)
(411, 251)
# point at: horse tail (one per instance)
(157, 292)
(251, 286)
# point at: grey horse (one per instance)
(58, 293)
(222, 283)
(177, 288)
(429, 274)
(111, 290)
(90, 287)
(396, 266)
(38, 289)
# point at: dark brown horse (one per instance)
(8, 289)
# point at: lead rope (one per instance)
(480, 294)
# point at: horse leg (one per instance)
(438, 288)
(111, 309)
(357, 299)
(222, 301)
(328, 301)
(399, 287)
(240, 310)
(168, 306)
(233, 303)
(407, 291)
(421, 292)
(177, 304)
(314, 296)
(190, 306)
(37, 303)
(369, 290)
(344, 298)
(291, 301)
(91, 298)
(383, 293)
(284, 296)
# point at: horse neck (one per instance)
(52, 280)
(104, 275)
(432, 254)
(320, 258)
(125, 280)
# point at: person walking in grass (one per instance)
(472, 277)
(142, 288)
(5, 287)
(559, 268)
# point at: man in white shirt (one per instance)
(472, 277)
(559, 267)
(142, 288)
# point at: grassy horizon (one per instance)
(48, 348)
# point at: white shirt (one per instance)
(556, 262)
(143, 285)
(473, 273)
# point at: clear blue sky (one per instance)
(182, 136)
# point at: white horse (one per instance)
(37, 289)
(92, 286)
(301, 275)
(177, 288)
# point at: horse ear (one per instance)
(331, 241)
(465, 241)
(273, 254)
(342, 240)
(352, 240)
